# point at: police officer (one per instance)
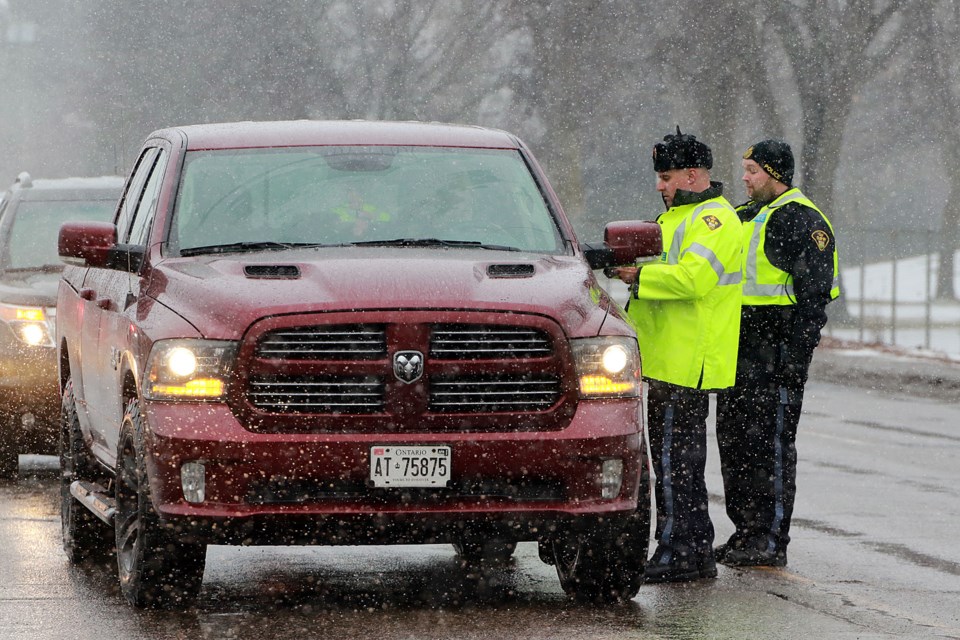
(359, 215)
(686, 309)
(790, 274)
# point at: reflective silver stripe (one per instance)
(706, 205)
(673, 256)
(730, 278)
(699, 250)
(756, 290)
(784, 199)
(751, 264)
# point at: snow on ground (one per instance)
(893, 303)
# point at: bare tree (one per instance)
(411, 59)
(583, 55)
(934, 74)
(720, 74)
(833, 48)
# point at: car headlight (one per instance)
(189, 369)
(33, 326)
(607, 367)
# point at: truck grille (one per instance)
(477, 342)
(317, 395)
(492, 394)
(334, 342)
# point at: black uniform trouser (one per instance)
(756, 434)
(677, 423)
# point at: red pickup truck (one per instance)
(347, 333)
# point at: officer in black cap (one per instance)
(790, 275)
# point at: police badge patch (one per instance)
(821, 238)
(713, 222)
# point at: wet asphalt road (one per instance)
(874, 555)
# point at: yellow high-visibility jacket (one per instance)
(686, 307)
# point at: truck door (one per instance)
(106, 291)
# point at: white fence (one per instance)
(894, 302)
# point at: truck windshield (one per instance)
(366, 195)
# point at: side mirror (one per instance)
(87, 243)
(624, 243)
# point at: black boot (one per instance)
(684, 569)
(746, 557)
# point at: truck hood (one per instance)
(226, 294)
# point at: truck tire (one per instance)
(85, 536)
(156, 569)
(604, 563)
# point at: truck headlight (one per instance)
(189, 369)
(33, 326)
(607, 367)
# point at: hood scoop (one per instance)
(272, 271)
(510, 270)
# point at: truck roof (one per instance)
(235, 135)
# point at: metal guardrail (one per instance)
(889, 292)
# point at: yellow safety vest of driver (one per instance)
(687, 306)
(765, 284)
(363, 212)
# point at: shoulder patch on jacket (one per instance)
(713, 222)
(821, 238)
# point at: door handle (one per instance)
(87, 294)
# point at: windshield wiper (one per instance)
(432, 242)
(243, 247)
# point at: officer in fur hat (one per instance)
(790, 275)
(686, 310)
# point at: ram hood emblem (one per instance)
(408, 366)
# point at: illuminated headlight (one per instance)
(607, 367)
(193, 481)
(189, 370)
(31, 325)
(611, 478)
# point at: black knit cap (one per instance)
(681, 151)
(774, 157)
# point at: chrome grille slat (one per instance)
(335, 342)
(470, 342)
(493, 394)
(310, 395)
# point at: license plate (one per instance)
(392, 466)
